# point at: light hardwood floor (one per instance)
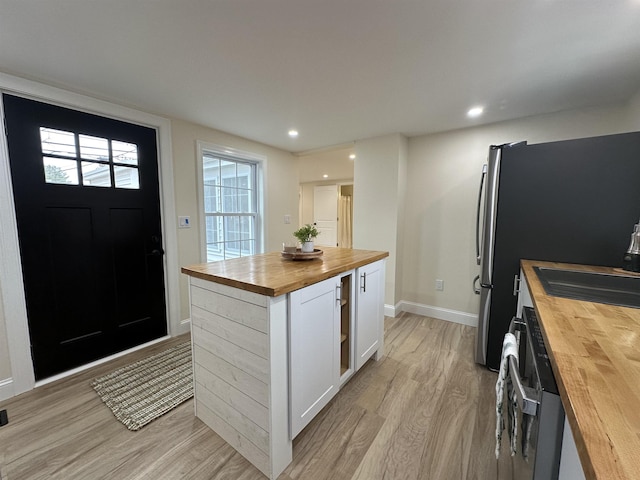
(425, 411)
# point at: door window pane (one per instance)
(124, 152)
(94, 148)
(97, 154)
(96, 174)
(57, 142)
(126, 177)
(58, 170)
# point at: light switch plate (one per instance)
(184, 222)
(287, 219)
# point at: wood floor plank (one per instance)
(425, 411)
(447, 449)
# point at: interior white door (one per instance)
(325, 214)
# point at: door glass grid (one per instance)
(58, 170)
(230, 207)
(77, 159)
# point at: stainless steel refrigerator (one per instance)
(572, 201)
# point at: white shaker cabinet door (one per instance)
(314, 346)
(369, 312)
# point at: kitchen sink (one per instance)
(606, 288)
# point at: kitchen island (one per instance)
(275, 339)
(595, 356)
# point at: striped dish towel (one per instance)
(509, 347)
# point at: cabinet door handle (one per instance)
(338, 293)
(363, 285)
(516, 285)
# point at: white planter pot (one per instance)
(307, 247)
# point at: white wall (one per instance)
(5, 362)
(334, 162)
(403, 159)
(281, 186)
(634, 111)
(442, 187)
(377, 201)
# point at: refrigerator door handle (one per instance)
(484, 174)
(476, 288)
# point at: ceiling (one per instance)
(335, 70)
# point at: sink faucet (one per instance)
(631, 260)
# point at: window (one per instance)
(76, 159)
(229, 203)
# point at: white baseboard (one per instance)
(184, 326)
(391, 310)
(439, 313)
(6, 389)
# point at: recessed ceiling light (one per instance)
(475, 112)
(325, 176)
(352, 156)
(293, 133)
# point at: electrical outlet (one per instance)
(439, 285)
(287, 219)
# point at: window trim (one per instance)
(226, 151)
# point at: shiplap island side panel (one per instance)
(240, 314)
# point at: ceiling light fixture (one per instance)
(325, 176)
(352, 156)
(293, 133)
(475, 112)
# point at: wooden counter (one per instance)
(269, 274)
(595, 356)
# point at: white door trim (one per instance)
(11, 281)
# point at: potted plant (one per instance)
(306, 235)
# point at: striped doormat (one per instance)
(149, 388)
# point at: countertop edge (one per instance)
(282, 289)
(533, 284)
(260, 289)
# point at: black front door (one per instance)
(88, 213)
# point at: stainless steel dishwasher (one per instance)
(540, 415)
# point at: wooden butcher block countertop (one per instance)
(595, 356)
(270, 274)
